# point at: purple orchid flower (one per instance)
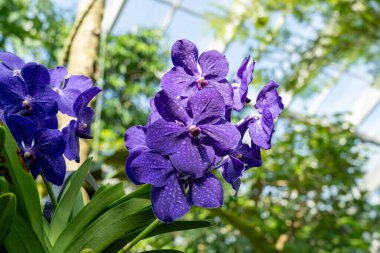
(191, 137)
(241, 80)
(81, 127)
(42, 148)
(29, 94)
(269, 105)
(172, 193)
(241, 159)
(68, 89)
(10, 64)
(184, 79)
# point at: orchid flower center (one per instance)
(194, 131)
(27, 104)
(235, 85)
(56, 89)
(82, 126)
(17, 72)
(202, 82)
(237, 155)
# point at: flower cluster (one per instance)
(30, 98)
(189, 135)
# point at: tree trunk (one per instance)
(83, 57)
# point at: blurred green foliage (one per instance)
(32, 27)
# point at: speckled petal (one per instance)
(251, 156)
(53, 169)
(72, 141)
(261, 130)
(169, 202)
(13, 90)
(206, 192)
(214, 65)
(232, 170)
(49, 142)
(11, 61)
(22, 128)
(192, 158)
(35, 74)
(206, 106)
(185, 55)
(57, 75)
(177, 83)
(134, 138)
(165, 137)
(169, 108)
(84, 99)
(269, 98)
(151, 168)
(225, 89)
(222, 136)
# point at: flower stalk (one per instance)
(50, 191)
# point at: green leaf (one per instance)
(91, 211)
(66, 203)
(160, 229)
(8, 204)
(113, 224)
(163, 251)
(142, 192)
(21, 183)
(22, 238)
(2, 139)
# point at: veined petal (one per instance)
(222, 136)
(177, 82)
(78, 82)
(261, 130)
(192, 158)
(269, 98)
(132, 156)
(53, 169)
(134, 138)
(11, 61)
(152, 168)
(84, 99)
(165, 137)
(214, 65)
(49, 142)
(57, 75)
(206, 106)
(22, 128)
(35, 74)
(232, 170)
(251, 156)
(169, 202)
(225, 89)
(13, 90)
(185, 55)
(206, 192)
(169, 108)
(72, 141)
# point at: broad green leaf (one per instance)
(89, 212)
(2, 140)
(142, 192)
(8, 204)
(163, 251)
(160, 229)
(113, 224)
(22, 238)
(101, 189)
(66, 203)
(21, 183)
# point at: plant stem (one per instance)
(141, 236)
(51, 193)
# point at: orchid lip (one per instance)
(194, 131)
